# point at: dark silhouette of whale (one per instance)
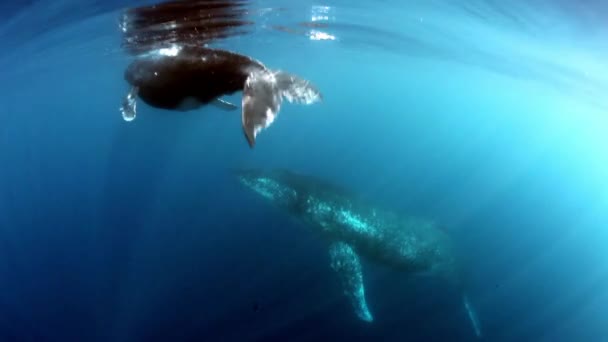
(174, 68)
(355, 228)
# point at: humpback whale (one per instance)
(356, 229)
(175, 69)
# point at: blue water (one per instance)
(489, 118)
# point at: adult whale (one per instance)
(355, 228)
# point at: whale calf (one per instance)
(355, 229)
(175, 69)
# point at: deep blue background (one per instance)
(138, 232)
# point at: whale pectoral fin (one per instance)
(223, 104)
(261, 104)
(345, 262)
(263, 94)
(297, 90)
(128, 109)
(472, 313)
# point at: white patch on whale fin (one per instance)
(297, 90)
(261, 103)
(345, 262)
(472, 315)
(223, 104)
(128, 109)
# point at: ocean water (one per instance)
(490, 117)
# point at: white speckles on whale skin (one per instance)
(260, 190)
(345, 262)
(409, 248)
(354, 221)
(321, 211)
(269, 189)
(345, 221)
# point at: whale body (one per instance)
(357, 229)
(174, 68)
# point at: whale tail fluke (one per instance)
(263, 94)
(472, 314)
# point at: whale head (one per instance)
(272, 185)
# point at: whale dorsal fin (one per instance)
(345, 262)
